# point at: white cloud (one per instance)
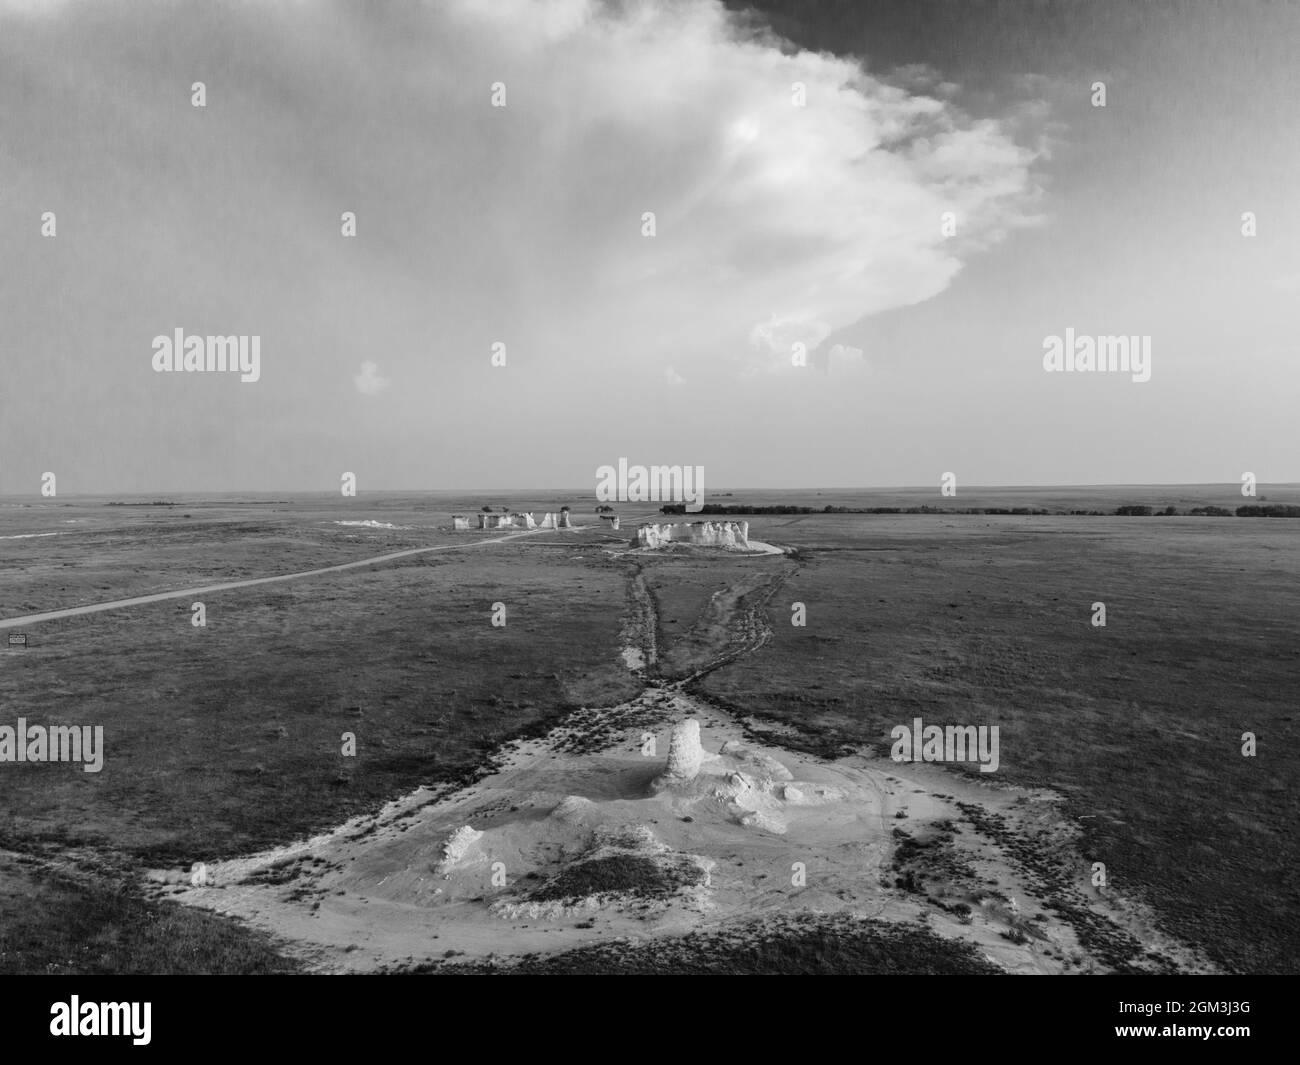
(368, 381)
(775, 223)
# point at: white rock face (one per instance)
(703, 533)
(685, 755)
(456, 847)
(564, 520)
(459, 522)
(548, 522)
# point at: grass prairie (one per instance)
(226, 739)
(988, 621)
(59, 924)
(815, 946)
(230, 737)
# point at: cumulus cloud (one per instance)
(775, 223)
(368, 381)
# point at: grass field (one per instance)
(227, 739)
(224, 739)
(809, 947)
(988, 621)
(87, 925)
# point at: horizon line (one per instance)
(579, 491)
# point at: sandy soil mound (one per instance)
(569, 845)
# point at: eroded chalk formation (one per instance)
(526, 520)
(455, 849)
(685, 753)
(701, 533)
(754, 788)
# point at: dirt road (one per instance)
(208, 589)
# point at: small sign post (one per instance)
(18, 639)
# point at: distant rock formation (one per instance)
(612, 519)
(526, 520)
(703, 533)
(459, 522)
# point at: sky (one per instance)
(918, 194)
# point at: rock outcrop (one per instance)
(459, 522)
(455, 849)
(754, 788)
(526, 520)
(731, 534)
(764, 763)
(685, 754)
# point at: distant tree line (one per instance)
(1273, 510)
(746, 508)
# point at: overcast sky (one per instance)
(775, 224)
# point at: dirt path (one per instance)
(208, 589)
(732, 624)
(640, 628)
